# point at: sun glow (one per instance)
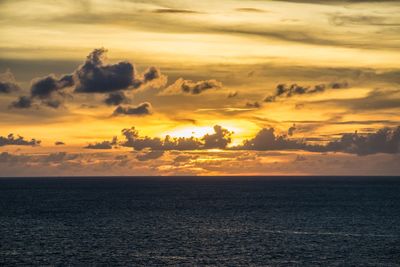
(189, 131)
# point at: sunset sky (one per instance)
(181, 87)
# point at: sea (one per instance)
(200, 221)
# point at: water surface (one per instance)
(149, 221)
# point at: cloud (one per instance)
(284, 91)
(174, 11)
(17, 141)
(150, 155)
(233, 94)
(103, 145)
(139, 110)
(375, 100)
(8, 84)
(59, 143)
(182, 86)
(249, 9)
(344, 20)
(45, 87)
(115, 99)
(291, 130)
(219, 139)
(386, 140)
(94, 76)
(266, 139)
(48, 90)
(152, 77)
(58, 157)
(253, 105)
(23, 102)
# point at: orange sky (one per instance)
(240, 87)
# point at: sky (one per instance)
(229, 87)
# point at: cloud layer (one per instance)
(17, 141)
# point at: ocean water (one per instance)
(228, 222)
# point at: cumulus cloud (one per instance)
(103, 145)
(115, 99)
(284, 91)
(386, 140)
(219, 139)
(17, 141)
(48, 90)
(139, 110)
(93, 76)
(45, 87)
(266, 139)
(8, 84)
(182, 86)
(22, 102)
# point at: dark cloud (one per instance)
(291, 130)
(182, 143)
(174, 11)
(284, 91)
(253, 105)
(132, 139)
(182, 86)
(8, 83)
(45, 87)
(151, 74)
(150, 155)
(94, 76)
(103, 145)
(115, 99)
(17, 141)
(139, 110)
(59, 143)
(266, 139)
(48, 90)
(23, 102)
(233, 94)
(7, 87)
(385, 140)
(219, 139)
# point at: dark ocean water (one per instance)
(134, 222)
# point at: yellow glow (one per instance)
(188, 131)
